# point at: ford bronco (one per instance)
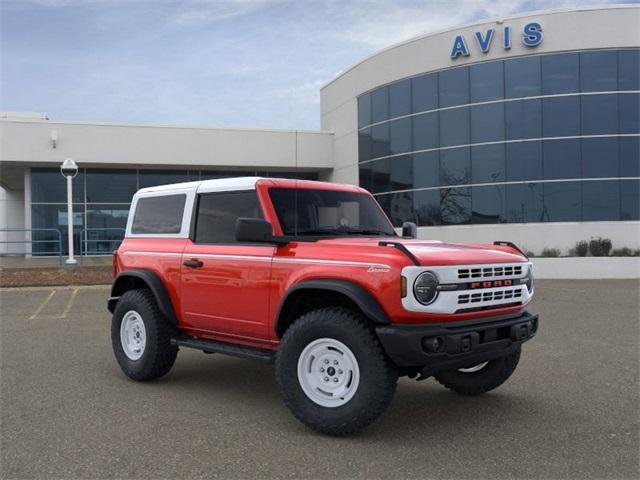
(313, 277)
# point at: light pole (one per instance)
(69, 170)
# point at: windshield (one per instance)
(328, 212)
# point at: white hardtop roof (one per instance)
(218, 184)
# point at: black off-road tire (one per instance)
(378, 376)
(159, 355)
(494, 374)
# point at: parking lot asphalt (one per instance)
(571, 410)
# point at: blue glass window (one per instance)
(364, 110)
(630, 156)
(487, 123)
(48, 185)
(522, 77)
(488, 204)
(599, 71)
(454, 127)
(629, 112)
(400, 98)
(629, 69)
(426, 169)
(601, 200)
(523, 119)
(427, 207)
(524, 161)
(487, 164)
(560, 73)
(599, 114)
(111, 186)
(562, 159)
(381, 176)
(380, 140)
(400, 135)
(401, 208)
(425, 131)
(562, 201)
(365, 173)
(402, 172)
(524, 203)
(600, 157)
(455, 166)
(54, 216)
(152, 178)
(561, 116)
(454, 87)
(487, 82)
(364, 144)
(424, 93)
(380, 105)
(384, 201)
(630, 200)
(455, 205)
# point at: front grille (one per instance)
(481, 273)
(491, 296)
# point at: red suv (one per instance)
(312, 276)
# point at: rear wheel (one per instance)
(141, 337)
(480, 378)
(332, 372)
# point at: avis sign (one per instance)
(531, 37)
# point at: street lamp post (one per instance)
(69, 170)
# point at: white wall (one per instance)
(535, 237)
(89, 144)
(11, 217)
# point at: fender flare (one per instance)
(152, 281)
(359, 295)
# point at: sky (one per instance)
(225, 63)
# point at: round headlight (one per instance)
(425, 288)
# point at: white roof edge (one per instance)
(227, 183)
(481, 22)
(159, 125)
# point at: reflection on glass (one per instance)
(599, 114)
(487, 81)
(454, 87)
(380, 140)
(560, 73)
(111, 186)
(455, 166)
(524, 161)
(153, 178)
(400, 135)
(487, 123)
(524, 203)
(454, 127)
(380, 105)
(364, 110)
(601, 200)
(600, 157)
(426, 169)
(523, 119)
(402, 172)
(426, 206)
(424, 93)
(365, 145)
(561, 116)
(425, 131)
(522, 77)
(488, 164)
(629, 204)
(562, 159)
(455, 205)
(48, 185)
(400, 98)
(599, 71)
(488, 204)
(562, 201)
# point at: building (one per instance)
(524, 128)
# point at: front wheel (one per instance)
(480, 378)
(332, 371)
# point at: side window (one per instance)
(218, 212)
(159, 215)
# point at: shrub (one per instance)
(581, 249)
(550, 252)
(625, 252)
(600, 247)
(529, 253)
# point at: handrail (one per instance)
(31, 241)
(84, 240)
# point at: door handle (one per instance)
(193, 263)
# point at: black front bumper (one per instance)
(448, 346)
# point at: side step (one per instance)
(211, 346)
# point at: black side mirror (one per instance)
(409, 230)
(253, 230)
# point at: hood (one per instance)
(433, 252)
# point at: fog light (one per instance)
(433, 344)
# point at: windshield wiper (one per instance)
(353, 231)
(342, 231)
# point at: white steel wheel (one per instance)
(133, 335)
(475, 368)
(328, 372)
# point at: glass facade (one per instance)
(544, 138)
(101, 201)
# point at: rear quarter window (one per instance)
(159, 215)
